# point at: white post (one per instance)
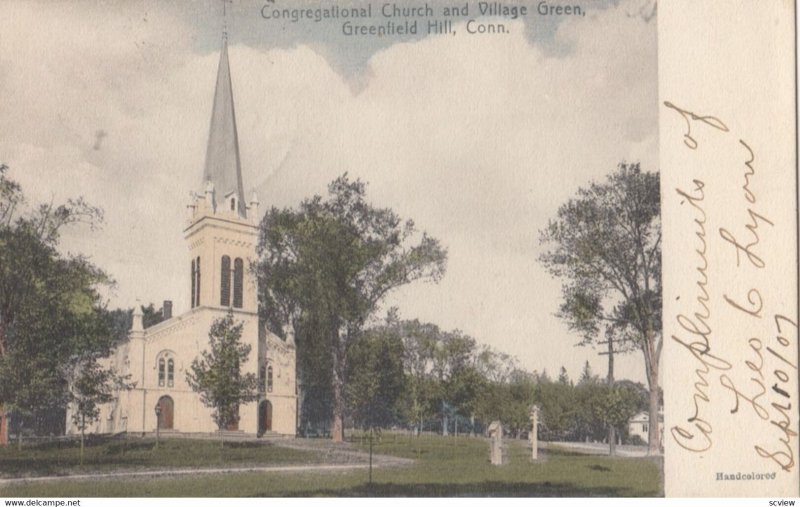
(534, 434)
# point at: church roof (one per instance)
(223, 167)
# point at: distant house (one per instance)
(639, 425)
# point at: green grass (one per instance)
(112, 455)
(443, 467)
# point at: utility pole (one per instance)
(612, 433)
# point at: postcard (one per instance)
(436, 248)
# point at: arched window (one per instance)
(161, 372)
(233, 204)
(170, 373)
(262, 377)
(197, 285)
(194, 281)
(225, 287)
(238, 282)
(269, 379)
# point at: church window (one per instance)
(238, 282)
(197, 293)
(269, 379)
(170, 373)
(194, 279)
(225, 287)
(262, 376)
(161, 372)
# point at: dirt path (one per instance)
(626, 451)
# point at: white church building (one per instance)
(221, 236)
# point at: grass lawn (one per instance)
(114, 455)
(444, 467)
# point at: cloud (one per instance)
(477, 138)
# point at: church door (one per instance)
(167, 417)
(264, 417)
(233, 425)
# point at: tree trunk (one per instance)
(5, 420)
(612, 441)
(3, 335)
(19, 436)
(3, 425)
(83, 434)
(612, 437)
(337, 422)
(339, 368)
(653, 430)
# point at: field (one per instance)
(442, 466)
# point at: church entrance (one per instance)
(167, 417)
(264, 417)
(234, 425)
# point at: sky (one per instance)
(477, 138)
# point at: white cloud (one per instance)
(478, 139)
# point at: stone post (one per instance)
(496, 454)
(533, 436)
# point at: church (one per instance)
(221, 234)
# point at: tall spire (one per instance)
(223, 168)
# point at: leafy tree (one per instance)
(151, 316)
(419, 343)
(605, 245)
(331, 262)
(589, 399)
(544, 377)
(314, 372)
(50, 308)
(494, 365)
(91, 385)
(375, 380)
(217, 376)
(563, 377)
(587, 376)
(620, 405)
(509, 400)
(463, 390)
(558, 404)
(120, 319)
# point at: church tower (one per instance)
(222, 234)
(222, 230)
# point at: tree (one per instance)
(587, 376)
(217, 376)
(558, 404)
(419, 343)
(510, 400)
(91, 386)
(50, 308)
(151, 316)
(375, 380)
(495, 365)
(325, 267)
(605, 245)
(563, 377)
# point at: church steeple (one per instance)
(223, 168)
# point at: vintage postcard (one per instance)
(296, 248)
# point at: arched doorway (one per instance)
(264, 417)
(167, 417)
